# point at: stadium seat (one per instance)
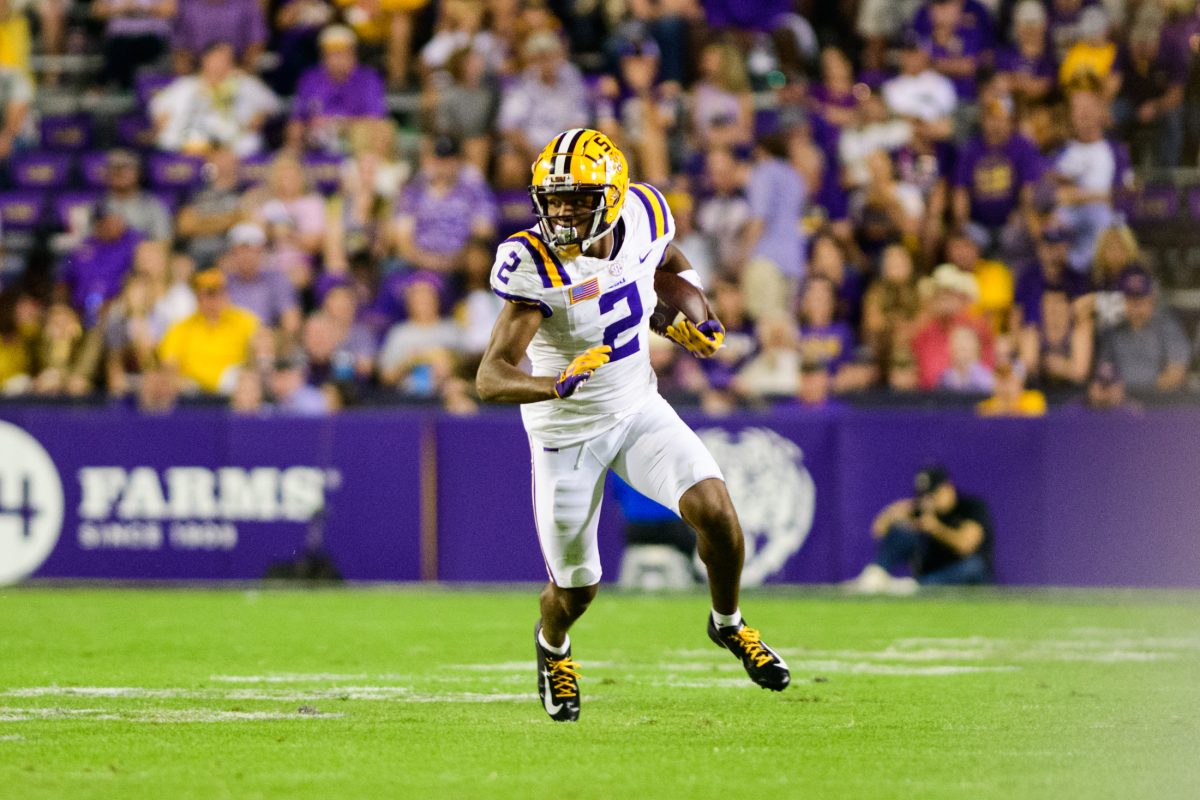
(147, 85)
(253, 169)
(21, 210)
(1156, 202)
(135, 131)
(67, 131)
(41, 170)
(93, 169)
(175, 172)
(63, 203)
(324, 171)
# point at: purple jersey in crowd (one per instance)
(239, 23)
(443, 222)
(360, 95)
(994, 177)
(754, 15)
(831, 345)
(269, 295)
(965, 42)
(96, 270)
(975, 19)
(1011, 59)
(1033, 283)
(924, 170)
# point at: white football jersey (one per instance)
(588, 302)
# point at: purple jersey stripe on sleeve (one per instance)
(525, 301)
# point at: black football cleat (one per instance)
(558, 682)
(763, 665)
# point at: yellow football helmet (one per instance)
(579, 161)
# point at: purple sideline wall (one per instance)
(1078, 498)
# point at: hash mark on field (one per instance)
(302, 677)
(153, 716)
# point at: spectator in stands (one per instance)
(94, 272)
(352, 357)
(994, 279)
(15, 43)
(696, 246)
(65, 357)
(1116, 249)
(418, 354)
(175, 299)
(206, 220)
(716, 374)
(1065, 19)
(775, 371)
(830, 260)
(876, 130)
(966, 372)
(1150, 100)
(461, 28)
(19, 321)
(466, 106)
(143, 212)
(943, 535)
(1087, 170)
(287, 198)
(1149, 351)
(136, 35)
(247, 396)
(1028, 64)
(953, 292)
(833, 97)
(219, 106)
(238, 24)
(291, 395)
(357, 215)
(1011, 398)
(441, 209)
(1089, 61)
(890, 305)
(209, 348)
(16, 124)
(724, 215)
(525, 119)
(335, 95)
(1056, 349)
(774, 241)
(920, 92)
(884, 210)
(995, 177)
(901, 374)
(476, 313)
(387, 26)
(297, 25)
(823, 339)
(266, 294)
(639, 111)
(722, 104)
(881, 21)
(131, 335)
(959, 41)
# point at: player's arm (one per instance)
(963, 538)
(501, 380)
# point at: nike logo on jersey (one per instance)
(552, 707)
(650, 252)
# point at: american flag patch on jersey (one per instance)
(585, 291)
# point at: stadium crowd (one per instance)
(898, 198)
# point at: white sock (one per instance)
(558, 651)
(726, 620)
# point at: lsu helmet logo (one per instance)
(774, 495)
(31, 504)
(584, 162)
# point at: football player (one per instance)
(580, 286)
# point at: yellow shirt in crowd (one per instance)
(203, 352)
(1031, 403)
(995, 292)
(374, 27)
(15, 43)
(1085, 59)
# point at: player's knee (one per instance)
(707, 508)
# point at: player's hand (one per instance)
(702, 340)
(580, 370)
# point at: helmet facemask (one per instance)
(575, 229)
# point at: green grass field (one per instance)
(421, 693)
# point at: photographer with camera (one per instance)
(944, 536)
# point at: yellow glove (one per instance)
(580, 370)
(701, 341)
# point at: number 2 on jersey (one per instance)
(629, 293)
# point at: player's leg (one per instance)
(665, 460)
(568, 485)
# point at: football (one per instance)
(676, 296)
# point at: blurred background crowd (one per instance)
(292, 206)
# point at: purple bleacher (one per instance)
(41, 170)
(66, 131)
(176, 172)
(324, 171)
(1156, 203)
(135, 131)
(63, 202)
(253, 169)
(93, 169)
(21, 210)
(148, 85)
